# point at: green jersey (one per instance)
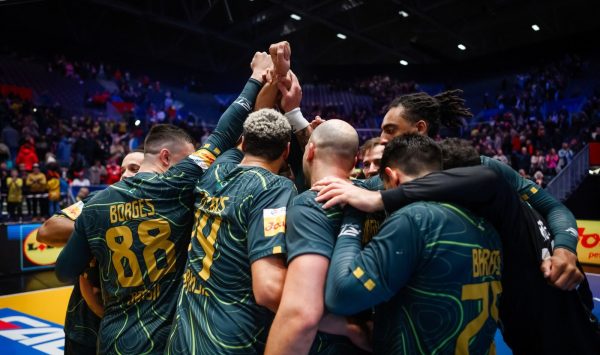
(81, 324)
(433, 271)
(313, 230)
(138, 229)
(239, 219)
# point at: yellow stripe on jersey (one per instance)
(277, 250)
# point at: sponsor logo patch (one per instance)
(274, 221)
(73, 211)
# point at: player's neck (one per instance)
(251, 160)
(149, 166)
(321, 170)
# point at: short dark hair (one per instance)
(459, 153)
(445, 108)
(266, 134)
(413, 154)
(165, 134)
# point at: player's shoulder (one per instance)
(374, 183)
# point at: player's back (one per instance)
(239, 218)
(138, 229)
(449, 303)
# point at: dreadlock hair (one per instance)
(445, 109)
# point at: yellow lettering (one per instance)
(151, 213)
(127, 211)
(120, 210)
(135, 209)
(113, 214)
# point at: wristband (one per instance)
(296, 120)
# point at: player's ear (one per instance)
(393, 177)
(286, 152)
(242, 144)
(310, 151)
(422, 127)
(165, 157)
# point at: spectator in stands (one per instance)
(552, 161)
(27, 155)
(113, 172)
(538, 178)
(63, 151)
(524, 174)
(15, 195)
(371, 153)
(38, 188)
(53, 192)
(97, 173)
(538, 161)
(82, 194)
(80, 179)
(11, 137)
(501, 157)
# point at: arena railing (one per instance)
(569, 178)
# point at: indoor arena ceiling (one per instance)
(213, 34)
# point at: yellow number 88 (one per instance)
(152, 241)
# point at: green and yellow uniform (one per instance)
(314, 230)
(139, 230)
(239, 219)
(433, 273)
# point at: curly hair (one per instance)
(266, 134)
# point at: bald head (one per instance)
(336, 141)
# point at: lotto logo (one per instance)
(274, 221)
(23, 334)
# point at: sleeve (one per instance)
(73, 211)
(465, 186)
(75, 256)
(309, 231)
(560, 220)
(357, 279)
(224, 137)
(266, 225)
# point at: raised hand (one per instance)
(259, 65)
(281, 53)
(291, 95)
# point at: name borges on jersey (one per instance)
(131, 210)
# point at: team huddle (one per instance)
(213, 251)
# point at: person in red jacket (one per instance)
(27, 155)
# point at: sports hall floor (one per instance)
(33, 306)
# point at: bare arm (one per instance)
(301, 311)
(302, 306)
(268, 275)
(56, 231)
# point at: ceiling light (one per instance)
(461, 47)
(403, 62)
(296, 17)
(403, 13)
(341, 36)
(535, 27)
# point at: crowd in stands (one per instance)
(537, 145)
(44, 151)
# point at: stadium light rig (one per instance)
(462, 47)
(535, 27)
(341, 36)
(403, 62)
(296, 17)
(403, 13)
